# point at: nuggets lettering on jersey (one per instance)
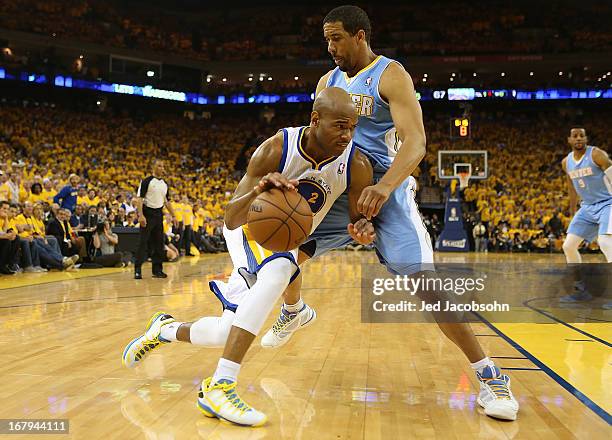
(363, 103)
(319, 183)
(589, 180)
(581, 172)
(375, 135)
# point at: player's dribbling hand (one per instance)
(275, 180)
(372, 198)
(142, 221)
(362, 231)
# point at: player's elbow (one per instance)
(417, 142)
(419, 148)
(231, 220)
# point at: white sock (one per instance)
(294, 308)
(226, 369)
(211, 331)
(482, 364)
(168, 331)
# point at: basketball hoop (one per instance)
(464, 179)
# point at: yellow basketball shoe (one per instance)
(138, 348)
(221, 400)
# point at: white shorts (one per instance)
(247, 257)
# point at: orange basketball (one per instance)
(279, 220)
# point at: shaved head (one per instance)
(334, 102)
(332, 122)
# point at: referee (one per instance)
(152, 197)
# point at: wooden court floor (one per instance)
(62, 338)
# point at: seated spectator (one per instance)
(36, 193)
(104, 242)
(82, 195)
(75, 218)
(92, 198)
(120, 218)
(70, 244)
(9, 242)
(30, 259)
(90, 220)
(101, 212)
(132, 220)
(48, 247)
(48, 192)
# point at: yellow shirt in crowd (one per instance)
(187, 214)
(178, 211)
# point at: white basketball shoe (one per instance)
(286, 324)
(495, 395)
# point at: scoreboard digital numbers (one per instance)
(460, 128)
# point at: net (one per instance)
(464, 179)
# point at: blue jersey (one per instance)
(375, 134)
(589, 180)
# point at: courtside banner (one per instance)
(508, 292)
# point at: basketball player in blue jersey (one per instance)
(589, 177)
(390, 133)
(321, 162)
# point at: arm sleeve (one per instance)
(60, 195)
(144, 186)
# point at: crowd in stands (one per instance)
(262, 32)
(76, 173)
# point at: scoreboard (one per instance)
(460, 128)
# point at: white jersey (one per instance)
(320, 183)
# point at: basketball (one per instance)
(279, 220)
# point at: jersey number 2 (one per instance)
(313, 198)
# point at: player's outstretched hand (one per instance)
(275, 180)
(362, 231)
(372, 198)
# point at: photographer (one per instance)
(104, 241)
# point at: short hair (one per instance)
(353, 19)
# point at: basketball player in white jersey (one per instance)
(589, 177)
(390, 133)
(320, 162)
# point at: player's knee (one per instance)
(283, 269)
(569, 246)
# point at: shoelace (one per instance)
(145, 346)
(499, 388)
(282, 321)
(229, 389)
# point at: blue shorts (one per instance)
(402, 242)
(592, 220)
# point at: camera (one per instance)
(100, 228)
